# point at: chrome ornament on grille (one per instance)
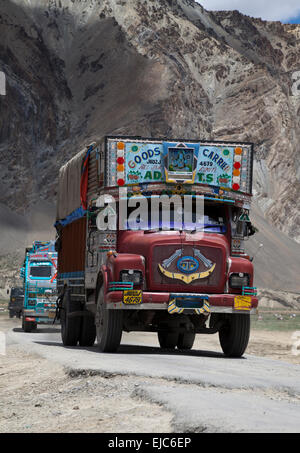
(187, 265)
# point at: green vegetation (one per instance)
(276, 321)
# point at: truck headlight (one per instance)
(239, 280)
(131, 275)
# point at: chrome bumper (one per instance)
(164, 306)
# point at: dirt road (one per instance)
(47, 388)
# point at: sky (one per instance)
(287, 11)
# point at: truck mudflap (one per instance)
(184, 302)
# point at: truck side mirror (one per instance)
(246, 229)
(240, 228)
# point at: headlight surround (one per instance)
(238, 280)
(131, 275)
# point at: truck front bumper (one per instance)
(211, 303)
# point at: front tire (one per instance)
(234, 335)
(167, 340)
(186, 340)
(70, 327)
(109, 325)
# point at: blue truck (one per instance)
(39, 284)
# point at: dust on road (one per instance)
(37, 395)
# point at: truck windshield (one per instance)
(211, 219)
(40, 269)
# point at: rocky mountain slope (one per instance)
(79, 69)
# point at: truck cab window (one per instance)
(40, 270)
(175, 217)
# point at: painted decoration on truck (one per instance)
(219, 165)
(180, 162)
(215, 166)
(188, 266)
(143, 163)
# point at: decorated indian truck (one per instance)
(151, 237)
(39, 285)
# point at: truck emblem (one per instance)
(187, 265)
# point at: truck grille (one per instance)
(200, 268)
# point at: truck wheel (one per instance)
(88, 331)
(109, 324)
(186, 340)
(167, 340)
(70, 327)
(234, 335)
(29, 326)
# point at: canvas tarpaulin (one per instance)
(68, 198)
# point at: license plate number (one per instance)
(242, 303)
(132, 297)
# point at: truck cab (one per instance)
(160, 229)
(39, 276)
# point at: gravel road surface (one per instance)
(195, 391)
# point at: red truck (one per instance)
(150, 237)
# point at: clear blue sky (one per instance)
(282, 10)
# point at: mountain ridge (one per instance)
(79, 70)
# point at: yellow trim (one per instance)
(186, 278)
(172, 308)
(204, 309)
(242, 303)
(175, 181)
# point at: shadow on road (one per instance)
(135, 349)
(124, 348)
(38, 330)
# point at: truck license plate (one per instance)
(132, 297)
(242, 303)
